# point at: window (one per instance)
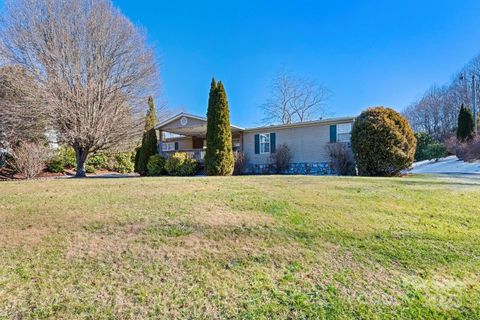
(168, 146)
(265, 143)
(236, 146)
(344, 132)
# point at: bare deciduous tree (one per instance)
(294, 99)
(92, 66)
(29, 158)
(437, 111)
(21, 118)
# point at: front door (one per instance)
(197, 143)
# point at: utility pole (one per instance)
(474, 101)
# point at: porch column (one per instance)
(160, 141)
(241, 141)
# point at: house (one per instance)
(307, 141)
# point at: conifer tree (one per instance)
(219, 154)
(151, 117)
(149, 141)
(466, 127)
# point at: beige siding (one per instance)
(183, 143)
(177, 124)
(307, 143)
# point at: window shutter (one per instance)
(176, 145)
(333, 133)
(257, 144)
(273, 142)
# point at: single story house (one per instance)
(307, 141)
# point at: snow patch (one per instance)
(448, 165)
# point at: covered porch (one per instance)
(187, 133)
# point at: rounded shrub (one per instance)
(98, 161)
(56, 165)
(64, 158)
(436, 151)
(180, 164)
(123, 163)
(424, 140)
(89, 168)
(67, 154)
(383, 142)
(156, 165)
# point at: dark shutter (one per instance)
(176, 145)
(257, 144)
(273, 142)
(333, 133)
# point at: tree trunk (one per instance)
(81, 156)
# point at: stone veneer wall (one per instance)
(309, 168)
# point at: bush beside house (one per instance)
(342, 160)
(281, 159)
(156, 165)
(241, 163)
(383, 142)
(123, 162)
(180, 164)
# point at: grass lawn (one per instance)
(269, 247)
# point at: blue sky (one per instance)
(366, 52)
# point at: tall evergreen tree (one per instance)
(219, 154)
(466, 126)
(151, 117)
(148, 147)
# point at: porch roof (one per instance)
(186, 124)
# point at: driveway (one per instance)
(449, 166)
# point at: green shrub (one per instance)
(156, 165)
(123, 162)
(89, 168)
(423, 141)
(428, 148)
(383, 142)
(67, 154)
(180, 164)
(436, 151)
(98, 161)
(63, 159)
(56, 165)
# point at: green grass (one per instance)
(241, 247)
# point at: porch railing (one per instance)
(196, 154)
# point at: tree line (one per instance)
(436, 112)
